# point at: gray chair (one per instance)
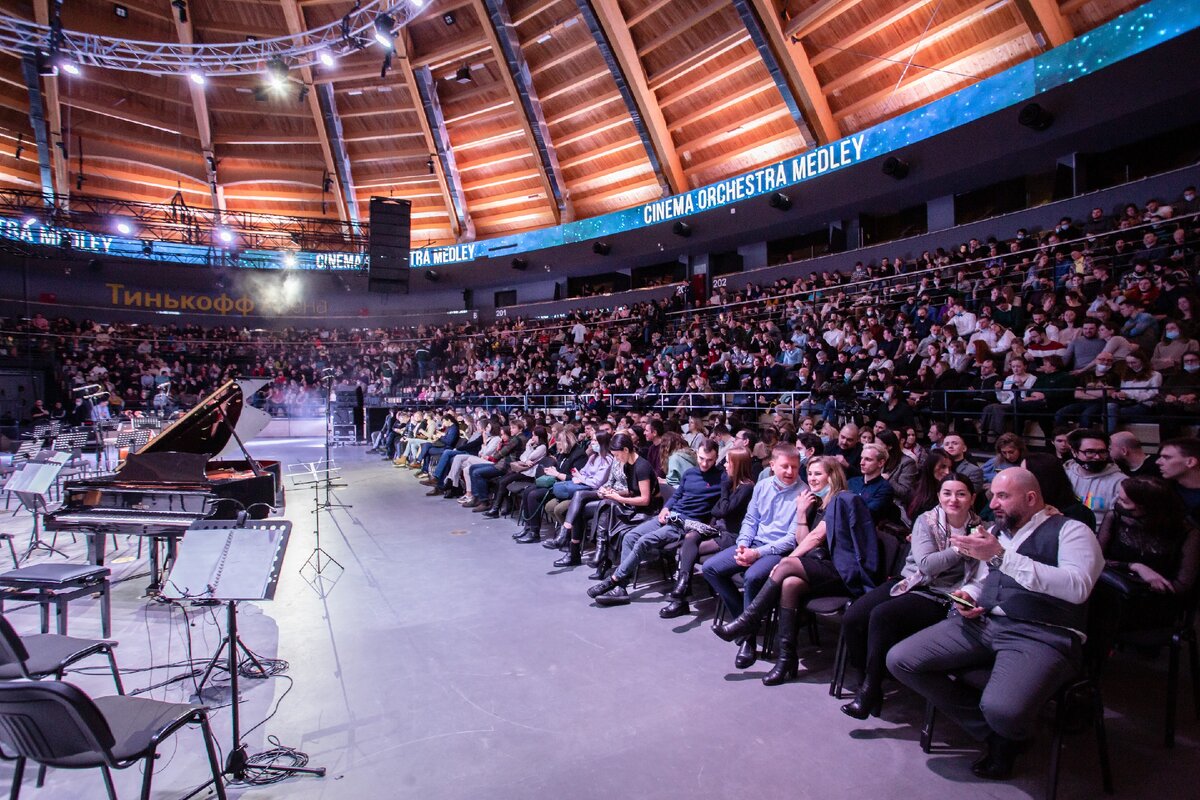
(40, 656)
(55, 724)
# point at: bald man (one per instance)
(1037, 570)
(1126, 452)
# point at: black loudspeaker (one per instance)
(468, 298)
(389, 247)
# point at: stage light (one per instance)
(181, 7)
(463, 75)
(147, 247)
(520, 264)
(432, 276)
(418, 3)
(449, 18)
(1035, 117)
(681, 228)
(30, 221)
(385, 30)
(124, 228)
(225, 235)
(289, 260)
(65, 64)
(601, 248)
(326, 58)
(429, 164)
(197, 77)
(121, 11)
(277, 71)
(895, 168)
(780, 201)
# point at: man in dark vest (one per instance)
(1030, 610)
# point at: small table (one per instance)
(58, 584)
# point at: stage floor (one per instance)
(446, 661)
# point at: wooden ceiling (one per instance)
(718, 87)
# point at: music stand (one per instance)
(313, 476)
(31, 485)
(231, 561)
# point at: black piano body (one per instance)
(170, 483)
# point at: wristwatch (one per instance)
(995, 561)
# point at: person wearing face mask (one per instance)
(1095, 390)
(1180, 397)
(1168, 353)
(1152, 556)
(1094, 477)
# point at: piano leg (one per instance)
(96, 542)
(155, 586)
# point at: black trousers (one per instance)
(876, 621)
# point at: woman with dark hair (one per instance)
(619, 507)
(736, 488)
(641, 487)
(567, 461)
(917, 598)
(1149, 542)
(836, 552)
(937, 465)
(523, 469)
(569, 506)
(675, 457)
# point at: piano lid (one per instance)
(203, 429)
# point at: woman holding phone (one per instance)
(933, 574)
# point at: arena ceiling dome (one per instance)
(492, 117)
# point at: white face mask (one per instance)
(1101, 369)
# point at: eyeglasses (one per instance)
(1093, 453)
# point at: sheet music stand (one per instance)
(31, 484)
(313, 476)
(230, 561)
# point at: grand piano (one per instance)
(173, 481)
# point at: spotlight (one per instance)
(197, 77)
(181, 7)
(147, 247)
(277, 71)
(327, 183)
(124, 228)
(432, 276)
(121, 11)
(64, 64)
(225, 235)
(429, 164)
(895, 168)
(520, 264)
(326, 58)
(387, 64)
(1035, 117)
(385, 30)
(463, 75)
(302, 95)
(601, 248)
(681, 228)
(449, 18)
(289, 260)
(780, 201)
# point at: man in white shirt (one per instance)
(962, 320)
(1027, 622)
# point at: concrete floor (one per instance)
(448, 662)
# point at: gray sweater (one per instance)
(932, 564)
(1082, 352)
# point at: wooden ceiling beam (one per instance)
(500, 180)
(650, 10)
(816, 15)
(725, 158)
(867, 31)
(905, 51)
(690, 21)
(800, 88)
(662, 150)
(722, 103)
(690, 61)
(583, 134)
(576, 83)
(1044, 18)
(717, 137)
(596, 198)
(593, 105)
(924, 73)
(604, 152)
(183, 30)
(501, 34)
(711, 78)
(125, 115)
(53, 109)
(534, 10)
(322, 106)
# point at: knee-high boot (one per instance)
(786, 662)
(747, 622)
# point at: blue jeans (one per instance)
(479, 475)
(443, 464)
(720, 569)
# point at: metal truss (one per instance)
(353, 32)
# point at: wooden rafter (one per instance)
(608, 13)
(1045, 18)
(817, 15)
(691, 20)
(183, 29)
(333, 151)
(62, 180)
(879, 25)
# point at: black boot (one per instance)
(560, 541)
(867, 702)
(747, 622)
(679, 595)
(600, 554)
(494, 511)
(601, 570)
(997, 764)
(747, 652)
(529, 536)
(573, 557)
(786, 660)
